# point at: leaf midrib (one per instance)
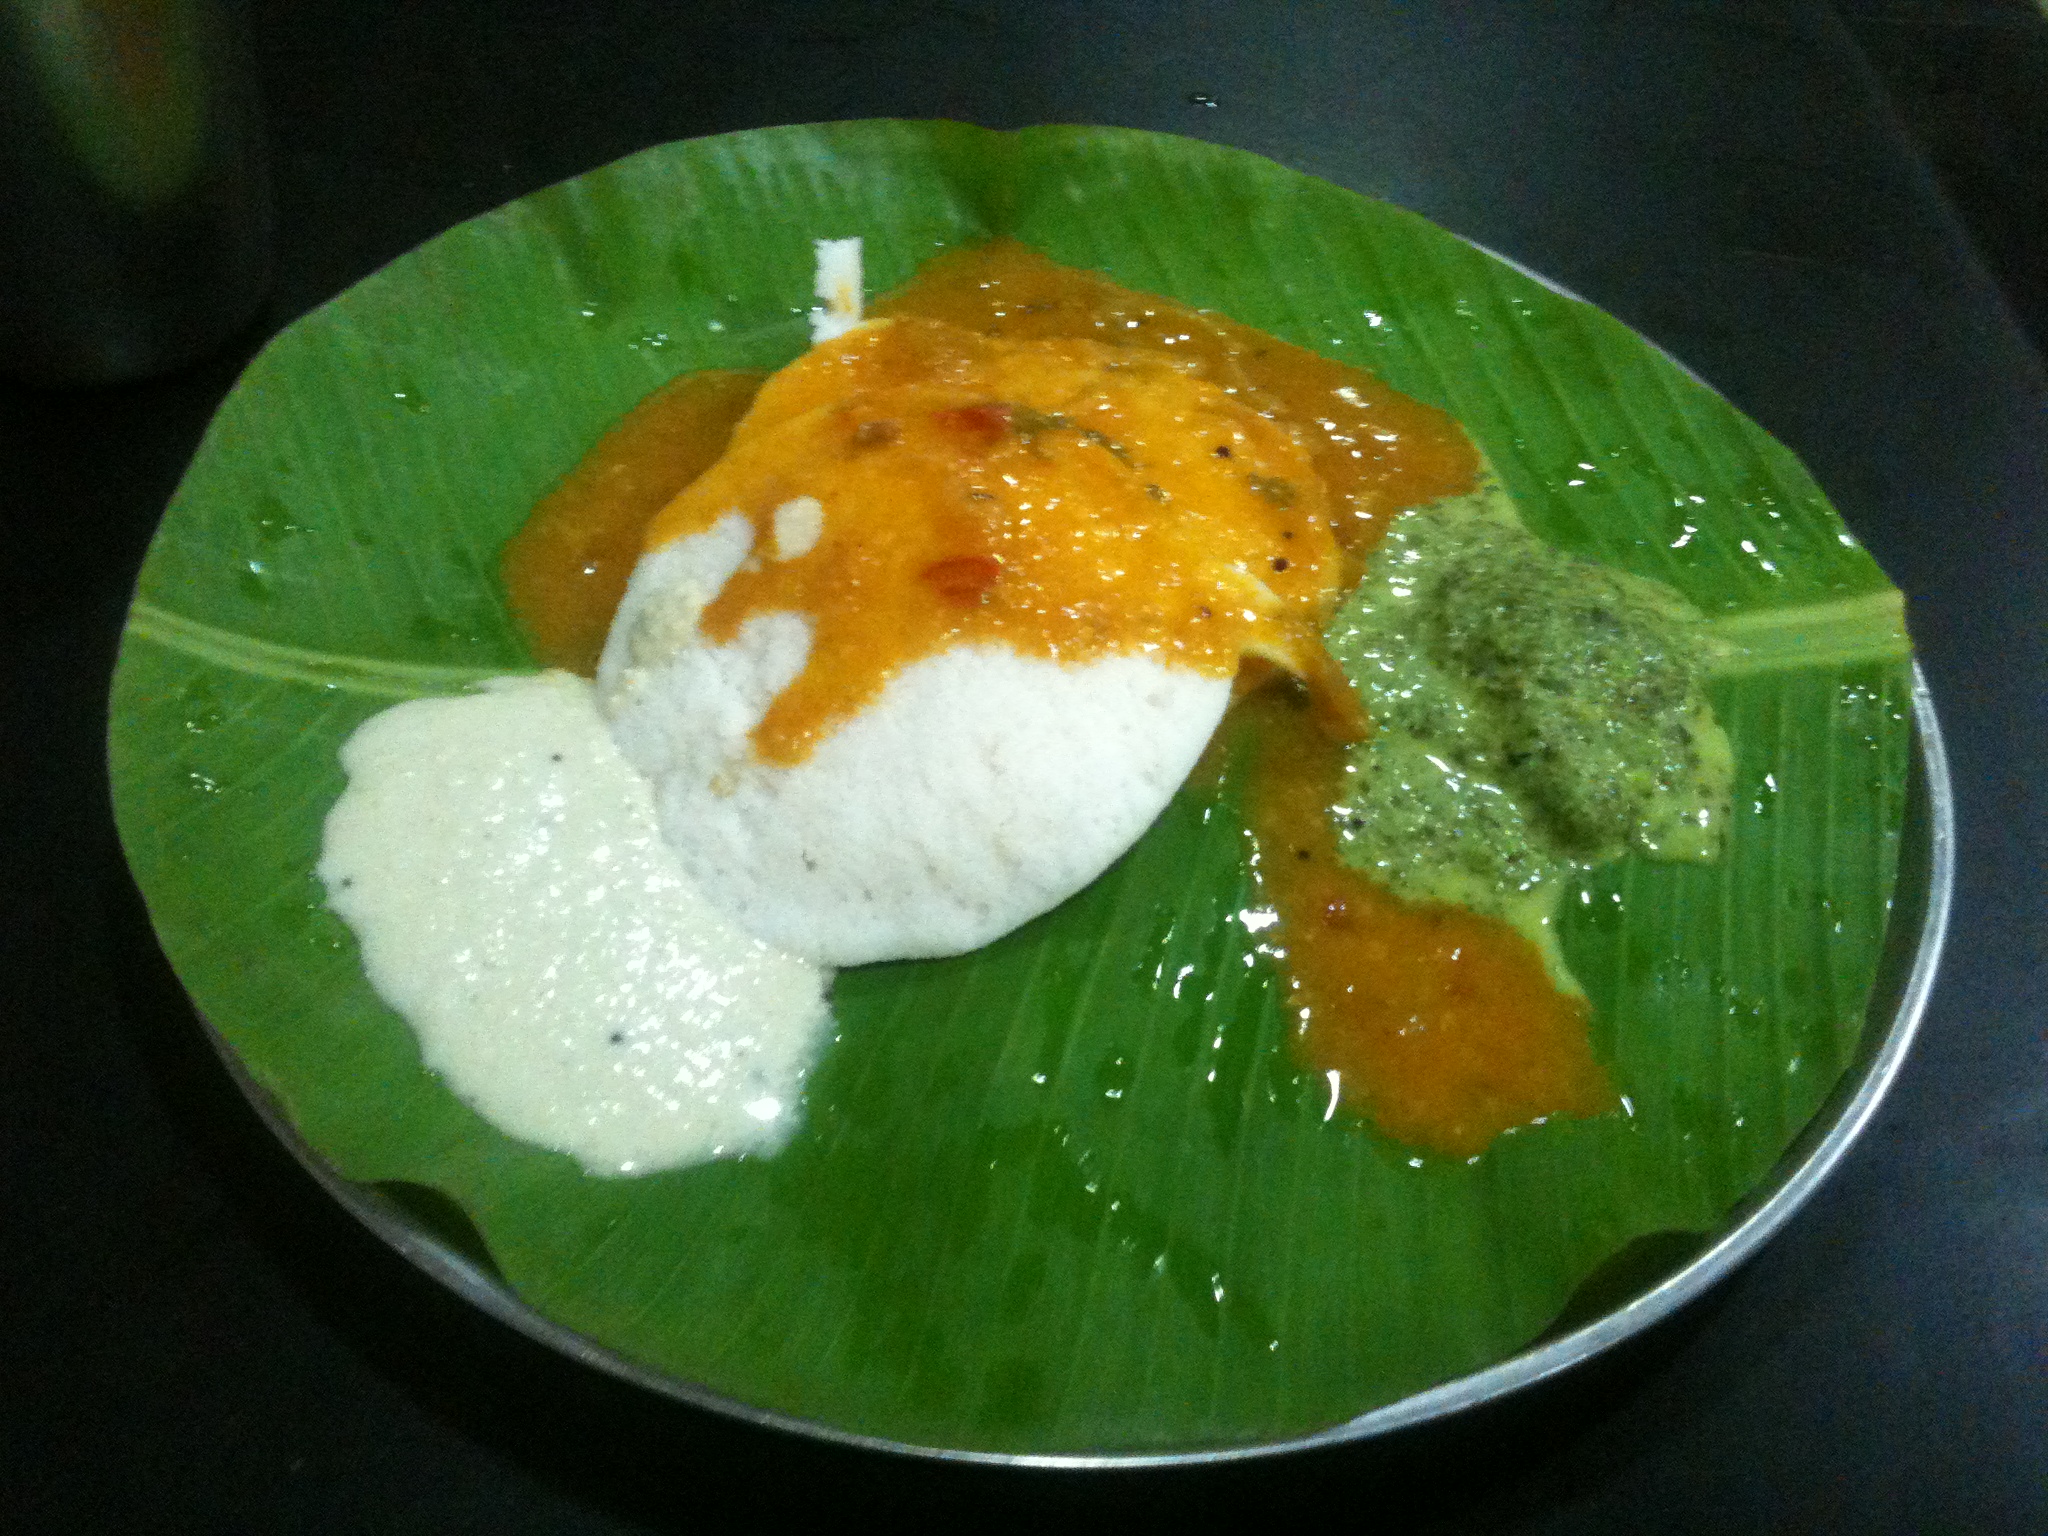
(277, 662)
(1841, 632)
(1844, 631)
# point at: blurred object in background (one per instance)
(135, 217)
(1970, 80)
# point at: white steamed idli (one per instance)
(979, 789)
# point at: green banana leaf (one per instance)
(1071, 1192)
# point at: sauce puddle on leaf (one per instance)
(567, 568)
(1439, 1024)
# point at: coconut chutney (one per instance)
(501, 868)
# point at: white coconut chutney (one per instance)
(514, 900)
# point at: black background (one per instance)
(1813, 206)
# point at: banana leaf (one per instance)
(1070, 1193)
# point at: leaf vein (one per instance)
(278, 662)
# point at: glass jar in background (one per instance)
(135, 215)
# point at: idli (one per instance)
(949, 623)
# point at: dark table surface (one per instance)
(194, 1338)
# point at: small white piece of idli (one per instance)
(839, 285)
(978, 790)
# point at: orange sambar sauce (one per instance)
(1441, 1023)
(916, 485)
(1033, 456)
